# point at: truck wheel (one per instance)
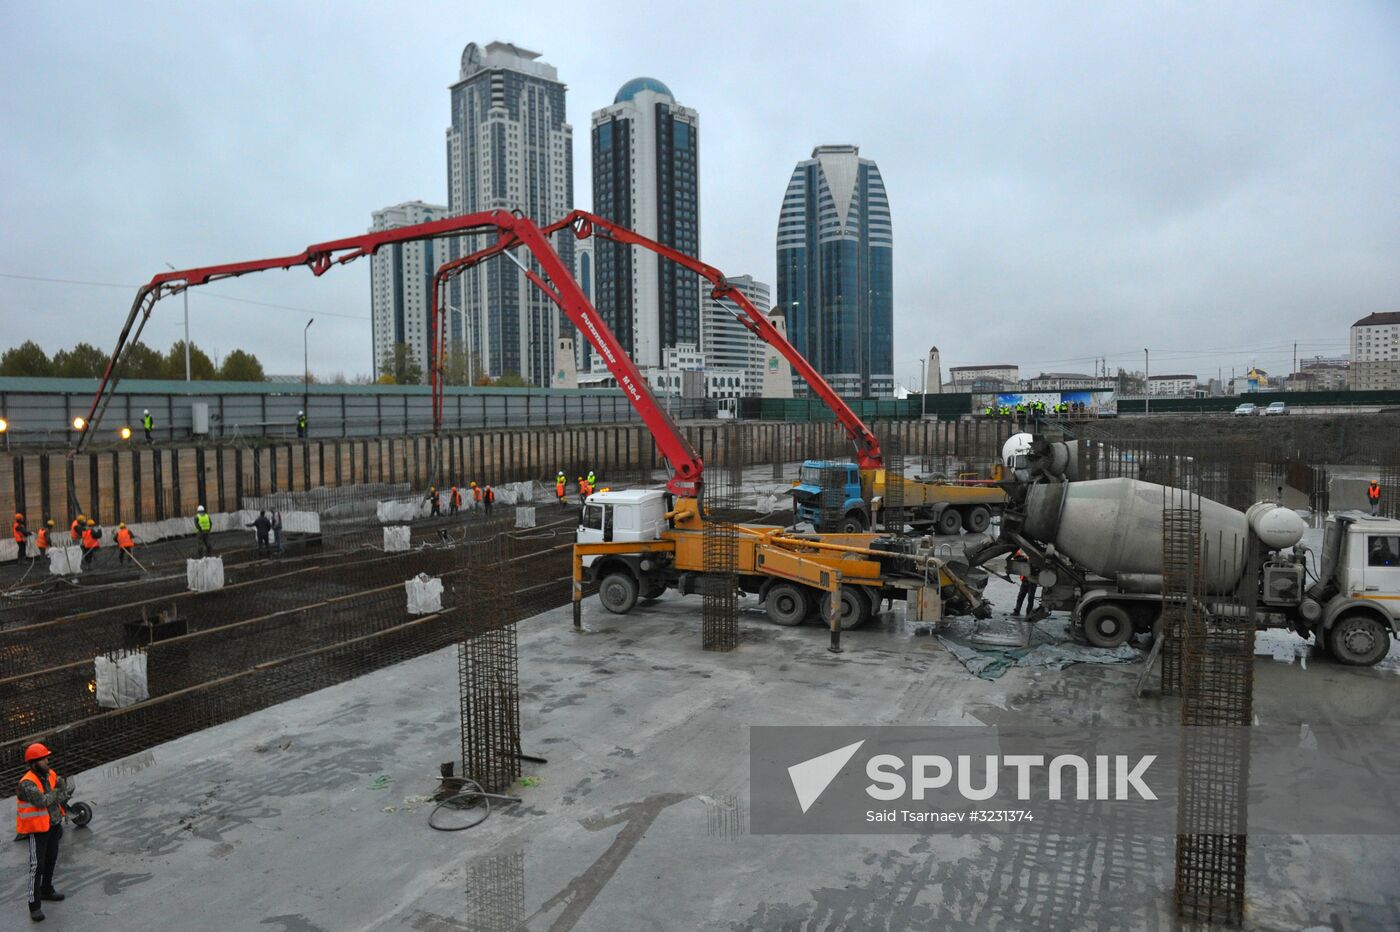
(618, 592)
(977, 519)
(1358, 640)
(82, 814)
(855, 609)
(654, 589)
(787, 604)
(1107, 625)
(853, 523)
(949, 522)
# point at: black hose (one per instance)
(459, 798)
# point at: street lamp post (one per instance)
(186, 292)
(306, 363)
(923, 386)
(1146, 382)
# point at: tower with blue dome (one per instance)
(646, 176)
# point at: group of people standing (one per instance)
(483, 497)
(587, 485)
(84, 532)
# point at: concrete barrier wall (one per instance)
(141, 484)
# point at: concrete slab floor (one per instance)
(639, 818)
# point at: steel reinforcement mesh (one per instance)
(488, 666)
(1181, 580)
(214, 656)
(893, 506)
(719, 620)
(495, 893)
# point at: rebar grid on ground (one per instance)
(496, 893)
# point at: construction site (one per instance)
(462, 686)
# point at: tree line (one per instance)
(85, 361)
(399, 366)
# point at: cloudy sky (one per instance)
(1212, 181)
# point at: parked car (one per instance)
(1277, 407)
(1246, 410)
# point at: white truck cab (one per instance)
(1368, 565)
(622, 516)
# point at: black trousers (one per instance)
(205, 547)
(1027, 590)
(43, 855)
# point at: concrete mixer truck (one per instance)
(1096, 548)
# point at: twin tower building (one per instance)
(510, 147)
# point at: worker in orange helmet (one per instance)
(1373, 495)
(21, 535)
(488, 497)
(125, 543)
(476, 496)
(92, 539)
(454, 499)
(42, 539)
(75, 530)
(39, 802)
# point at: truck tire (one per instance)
(788, 604)
(977, 519)
(1358, 640)
(853, 523)
(855, 608)
(949, 522)
(618, 592)
(654, 589)
(1107, 625)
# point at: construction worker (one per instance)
(125, 543)
(21, 536)
(148, 423)
(75, 530)
(1373, 495)
(41, 540)
(203, 524)
(301, 423)
(39, 801)
(263, 527)
(454, 499)
(277, 533)
(1027, 590)
(435, 500)
(92, 540)
(583, 489)
(488, 497)
(476, 496)
(592, 481)
(559, 483)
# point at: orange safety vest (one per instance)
(124, 538)
(476, 493)
(559, 489)
(456, 496)
(1373, 492)
(41, 540)
(490, 495)
(33, 819)
(18, 530)
(74, 530)
(89, 540)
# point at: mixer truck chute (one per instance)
(1097, 549)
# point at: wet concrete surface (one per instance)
(283, 820)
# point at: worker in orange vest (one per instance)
(41, 540)
(21, 535)
(75, 530)
(1373, 494)
(126, 543)
(435, 500)
(39, 813)
(559, 483)
(584, 489)
(454, 499)
(92, 539)
(488, 496)
(476, 496)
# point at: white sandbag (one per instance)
(767, 504)
(395, 539)
(9, 550)
(398, 512)
(205, 574)
(424, 594)
(121, 679)
(525, 516)
(301, 522)
(65, 561)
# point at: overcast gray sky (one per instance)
(1211, 181)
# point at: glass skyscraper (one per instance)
(646, 177)
(510, 148)
(835, 271)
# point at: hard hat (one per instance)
(35, 752)
(121, 524)
(200, 509)
(91, 523)
(301, 412)
(18, 515)
(147, 411)
(473, 485)
(49, 523)
(81, 519)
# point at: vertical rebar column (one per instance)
(893, 504)
(1181, 580)
(833, 498)
(1217, 708)
(719, 624)
(487, 664)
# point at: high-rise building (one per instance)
(1375, 352)
(509, 148)
(646, 177)
(835, 270)
(727, 343)
(401, 285)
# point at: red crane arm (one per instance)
(867, 445)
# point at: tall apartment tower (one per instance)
(646, 177)
(728, 344)
(510, 148)
(1375, 352)
(401, 282)
(835, 270)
